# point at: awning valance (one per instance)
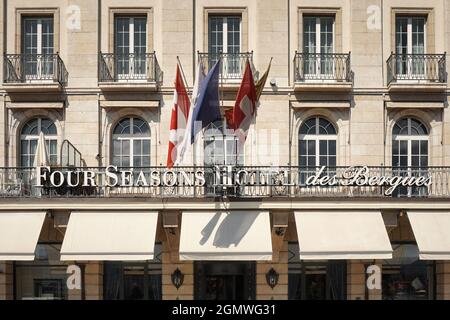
(327, 235)
(19, 234)
(232, 236)
(432, 233)
(110, 236)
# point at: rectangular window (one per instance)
(224, 37)
(38, 47)
(318, 44)
(134, 281)
(315, 280)
(44, 278)
(405, 277)
(130, 47)
(410, 42)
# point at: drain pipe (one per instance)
(100, 136)
(193, 39)
(6, 131)
(289, 42)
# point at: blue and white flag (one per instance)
(207, 106)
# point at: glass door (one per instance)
(315, 280)
(224, 280)
(131, 48)
(410, 46)
(37, 48)
(318, 46)
(132, 281)
(225, 39)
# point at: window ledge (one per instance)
(323, 85)
(33, 86)
(414, 86)
(130, 85)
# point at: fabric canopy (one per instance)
(232, 236)
(328, 235)
(432, 233)
(19, 234)
(110, 236)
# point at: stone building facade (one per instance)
(352, 83)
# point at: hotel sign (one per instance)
(233, 176)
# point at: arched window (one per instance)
(221, 146)
(409, 144)
(131, 143)
(29, 138)
(317, 143)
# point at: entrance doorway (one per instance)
(225, 280)
(315, 280)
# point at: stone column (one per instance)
(443, 280)
(280, 291)
(356, 280)
(6, 281)
(93, 280)
(169, 265)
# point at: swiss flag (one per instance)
(245, 106)
(178, 121)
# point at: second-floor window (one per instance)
(410, 153)
(130, 45)
(318, 43)
(131, 143)
(38, 47)
(29, 140)
(221, 146)
(409, 144)
(317, 146)
(410, 45)
(224, 38)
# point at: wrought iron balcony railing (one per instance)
(132, 67)
(323, 66)
(232, 66)
(34, 68)
(224, 181)
(416, 67)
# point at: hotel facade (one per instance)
(342, 190)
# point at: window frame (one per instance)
(108, 45)
(409, 138)
(36, 12)
(39, 32)
(31, 137)
(318, 32)
(225, 31)
(131, 138)
(317, 137)
(225, 136)
(409, 33)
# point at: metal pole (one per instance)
(183, 75)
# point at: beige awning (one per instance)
(233, 236)
(110, 236)
(327, 235)
(432, 233)
(19, 234)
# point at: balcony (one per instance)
(243, 182)
(322, 72)
(129, 71)
(417, 72)
(231, 69)
(34, 72)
